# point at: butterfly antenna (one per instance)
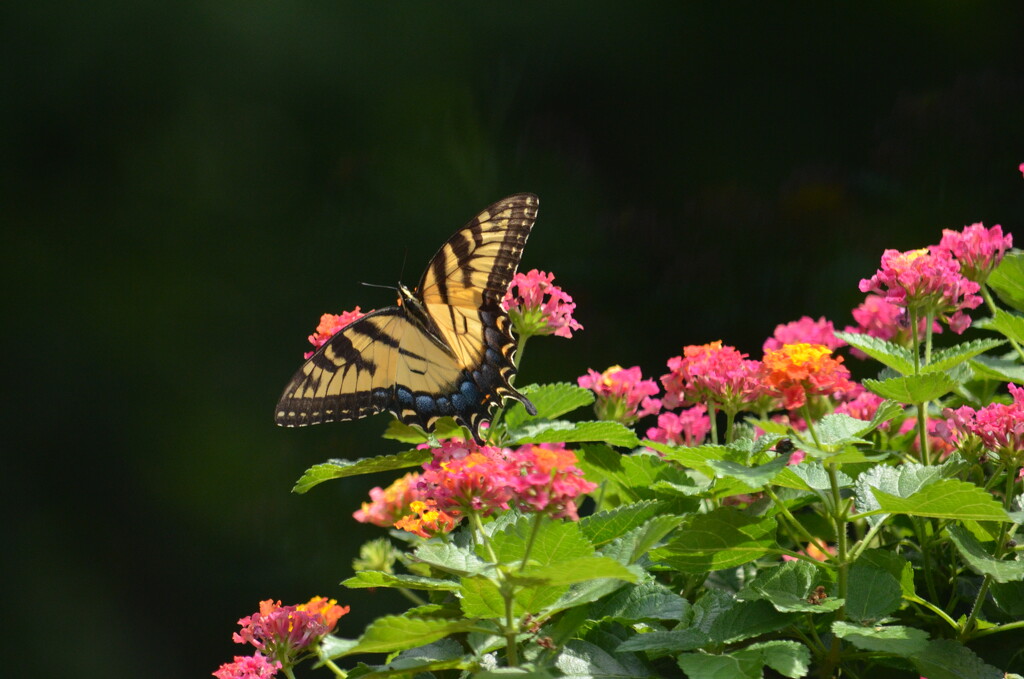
(378, 285)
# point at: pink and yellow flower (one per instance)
(390, 504)
(688, 427)
(548, 480)
(979, 250)
(878, 318)
(538, 307)
(806, 330)
(254, 666)
(999, 426)
(622, 393)
(426, 520)
(329, 326)
(927, 283)
(712, 374)
(285, 633)
(797, 371)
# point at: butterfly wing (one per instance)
(462, 288)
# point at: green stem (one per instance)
(793, 523)
(839, 517)
(933, 608)
(996, 630)
(478, 530)
(537, 519)
(712, 414)
(993, 308)
(287, 672)
(865, 541)
(923, 546)
(338, 672)
(805, 409)
(729, 417)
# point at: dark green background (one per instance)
(187, 186)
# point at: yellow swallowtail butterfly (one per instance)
(444, 350)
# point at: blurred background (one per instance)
(185, 187)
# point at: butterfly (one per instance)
(445, 350)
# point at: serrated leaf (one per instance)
(338, 469)
(697, 457)
(703, 665)
(722, 538)
(838, 430)
(634, 475)
(913, 388)
(582, 659)
(444, 654)
(945, 659)
(397, 633)
(953, 356)
(745, 620)
(1009, 596)
(551, 401)
(901, 481)
(364, 579)
(1008, 280)
(603, 527)
(1002, 369)
(887, 353)
(645, 601)
(788, 588)
(450, 558)
(872, 593)
(562, 431)
(895, 639)
(553, 542)
(892, 563)
(757, 476)
(1008, 324)
(571, 571)
(811, 476)
(946, 499)
(335, 647)
(788, 658)
(480, 597)
(977, 557)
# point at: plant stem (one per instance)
(338, 672)
(794, 523)
(537, 519)
(713, 415)
(805, 409)
(729, 416)
(838, 513)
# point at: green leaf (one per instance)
(887, 353)
(756, 477)
(946, 499)
(892, 563)
(722, 538)
(895, 639)
(480, 597)
(697, 457)
(1008, 324)
(572, 571)
(397, 633)
(902, 481)
(561, 431)
(339, 469)
(554, 542)
(811, 476)
(603, 527)
(364, 579)
(634, 475)
(450, 558)
(1009, 596)
(913, 388)
(981, 562)
(788, 588)
(1002, 369)
(584, 660)
(872, 593)
(445, 654)
(645, 601)
(945, 659)
(954, 356)
(703, 665)
(1008, 280)
(550, 400)
(788, 658)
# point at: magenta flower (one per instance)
(926, 283)
(878, 318)
(248, 667)
(807, 331)
(538, 307)
(466, 477)
(622, 393)
(388, 505)
(548, 480)
(712, 373)
(999, 426)
(285, 633)
(1021, 168)
(862, 406)
(979, 250)
(329, 326)
(688, 427)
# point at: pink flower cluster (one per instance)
(254, 666)
(688, 427)
(926, 282)
(329, 326)
(623, 395)
(979, 250)
(804, 331)
(999, 426)
(712, 373)
(538, 307)
(878, 318)
(465, 477)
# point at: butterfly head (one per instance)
(405, 295)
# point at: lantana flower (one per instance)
(464, 476)
(862, 406)
(426, 520)
(927, 283)
(329, 326)
(286, 633)
(539, 307)
(388, 505)
(622, 393)
(797, 371)
(806, 329)
(712, 373)
(979, 250)
(999, 426)
(549, 480)
(688, 427)
(254, 666)
(878, 318)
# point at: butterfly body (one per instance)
(445, 350)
